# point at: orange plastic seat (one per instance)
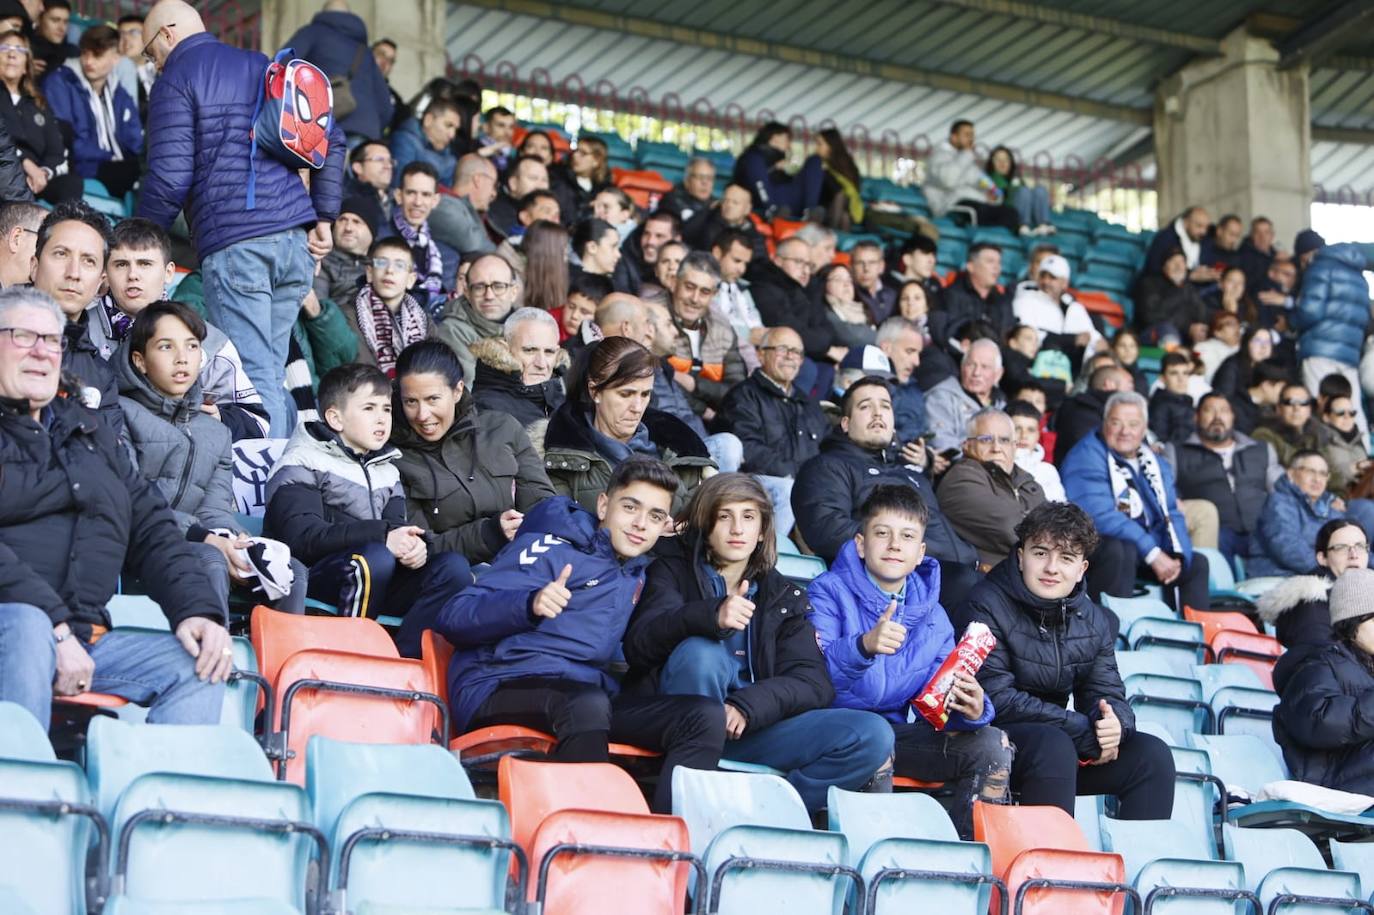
(914, 784)
(1214, 621)
(1256, 651)
(93, 700)
(552, 804)
(1032, 844)
(435, 653)
(644, 186)
(277, 636)
(1100, 303)
(786, 228)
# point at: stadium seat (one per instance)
(1257, 652)
(1241, 761)
(801, 569)
(1355, 858)
(1129, 663)
(196, 816)
(909, 855)
(1087, 811)
(645, 186)
(1170, 866)
(21, 736)
(780, 863)
(277, 636)
(1242, 710)
(1215, 676)
(1214, 621)
(138, 610)
(1046, 864)
(1174, 703)
(1099, 304)
(1179, 638)
(1284, 864)
(1196, 793)
(642, 862)
(406, 831)
(1130, 609)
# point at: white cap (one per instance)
(1055, 266)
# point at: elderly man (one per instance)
(1231, 470)
(458, 220)
(976, 296)
(1062, 322)
(1130, 493)
(692, 201)
(436, 265)
(779, 426)
(622, 315)
(341, 272)
(705, 359)
(1285, 537)
(74, 514)
(832, 486)
(954, 401)
(493, 288)
(779, 287)
(986, 495)
(901, 341)
(733, 253)
(520, 372)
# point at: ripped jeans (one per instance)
(977, 762)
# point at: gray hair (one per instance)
(521, 315)
(813, 234)
(997, 350)
(700, 260)
(699, 160)
(1126, 398)
(16, 297)
(893, 328)
(986, 413)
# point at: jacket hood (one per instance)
(922, 584)
(464, 422)
(567, 429)
(318, 435)
(350, 25)
(565, 519)
(495, 354)
(839, 442)
(135, 386)
(1006, 577)
(1291, 592)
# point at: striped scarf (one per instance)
(379, 327)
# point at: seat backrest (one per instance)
(138, 610)
(44, 861)
(1129, 663)
(1141, 841)
(1355, 857)
(1078, 867)
(800, 568)
(866, 819)
(1172, 629)
(1255, 644)
(1214, 621)
(1240, 760)
(1087, 811)
(435, 653)
(1163, 687)
(351, 716)
(532, 790)
(1265, 850)
(277, 636)
(1130, 609)
(1195, 800)
(1220, 576)
(1215, 676)
(586, 883)
(1010, 830)
(21, 736)
(712, 802)
(242, 697)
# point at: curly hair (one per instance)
(1061, 524)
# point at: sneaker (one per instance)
(1026, 231)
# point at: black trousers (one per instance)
(687, 730)
(118, 177)
(1116, 564)
(1046, 772)
(972, 760)
(993, 214)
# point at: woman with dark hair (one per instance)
(1053, 644)
(1290, 428)
(596, 244)
(718, 620)
(1341, 442)
(546, 265)
(841, 190)
(537, 144)
(1126, 349)
(775, 192)
(1169, 305)
(607, 418)
(1233, 375)
(1297, 606)
(42, 151)
(1032, 203)
(1322, 722)
(842, 306)
(576, 180)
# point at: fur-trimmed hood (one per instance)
(1292, 592)
(494, 352)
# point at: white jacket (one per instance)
(952, 175)
(1033, 462)
(1067, 316)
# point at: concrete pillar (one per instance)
(417, 27)
(1233, 134)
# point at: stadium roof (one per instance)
(1064, 77)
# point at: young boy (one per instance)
(1030, 453)
(535, 635)
(335, 499)
(182, 449)
(883, 633)
(138, 269)
(1171, 406)
(385, 317)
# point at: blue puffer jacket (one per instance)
(845, 603)
(332, 41)
(199, 116)
(69, 101)
(1286, 536)
(498, 639)
(1333, 309)
(408, 143)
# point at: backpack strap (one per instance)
(357, 61)
(285, 54)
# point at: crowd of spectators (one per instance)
(559, 428)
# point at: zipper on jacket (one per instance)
(186, 470)
(367, 477)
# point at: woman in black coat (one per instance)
(717, 619)
(1298, 606)
(1053, 643)
(36, 134)
(1324, 721)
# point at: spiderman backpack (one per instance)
(293, 117)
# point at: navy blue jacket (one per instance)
(332, 42)
(1333, 309)
(498, 639)
(1285, 538)
(200, 113)
(69, 101)
(1325, 717)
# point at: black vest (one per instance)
(1200, 475)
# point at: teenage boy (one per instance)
(138, 270)
(1172, 414)
(536, 634)
(181, 448)
(385, 317)
(884, 634)
(335, 499)
(106, 135)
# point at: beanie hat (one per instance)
(367, 208)
(1307, 240)
(1352, 596)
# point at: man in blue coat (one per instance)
(258, 262)
(535, 635)
(107, 136)
(884, 634)
(1130, 494)
(336, 42)
(1332, 311)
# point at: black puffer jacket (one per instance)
(497, 386)
(783, 302)
(1300, 609)
(74, 512)
(1076, 419)
(83, 364)
(1325, 718)
(789, 672)
(779, 431)
(1046, 652)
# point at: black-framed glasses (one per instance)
(27, 339)
(157, 32)
(1339, 548)
(784, 350)
(481, 289)
(1296, 403)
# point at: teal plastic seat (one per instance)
(1174, 703)
(1170, 862)
(911, 833)
(1196, 792)
(736, 815)
(22, 737)
(1246, 710)
(1356, 858)
(1215, 676)
(1130, 609)
(241, 693)
(421, 795)
(1284, 862)
(123, 905)
(1182, 639)
(47, 824)
(1130, 663)
(1088, 809)
(137, 610)
(1240, 760)
(800, 568)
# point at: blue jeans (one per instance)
(1033, 205)
(726, 450)
(816, 749)
(779, 490)
(151, 669)
(253, 292)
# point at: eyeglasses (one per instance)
(13, 49)
(1296, 403)
(146, 56)
(1323, 472)
(382, 263)
(387, 159)
(481, 289)
(784, 350)
(1340, 548)
(27, 339)
(986, 440)
(1343, 413)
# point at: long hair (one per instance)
(699, 518)
(1011, 157)
(602, 156)
(839, 160)
(1345, 634)
(546, 264)
(606, 365)
(28, 83)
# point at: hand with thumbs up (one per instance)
(736, 610)
(1108, 733)
(886, 636)
(553, 597)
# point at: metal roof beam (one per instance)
(1115, 28)
(715, 41)
(1323, 34)
(1343, 135)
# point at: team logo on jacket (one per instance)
(530, 554)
